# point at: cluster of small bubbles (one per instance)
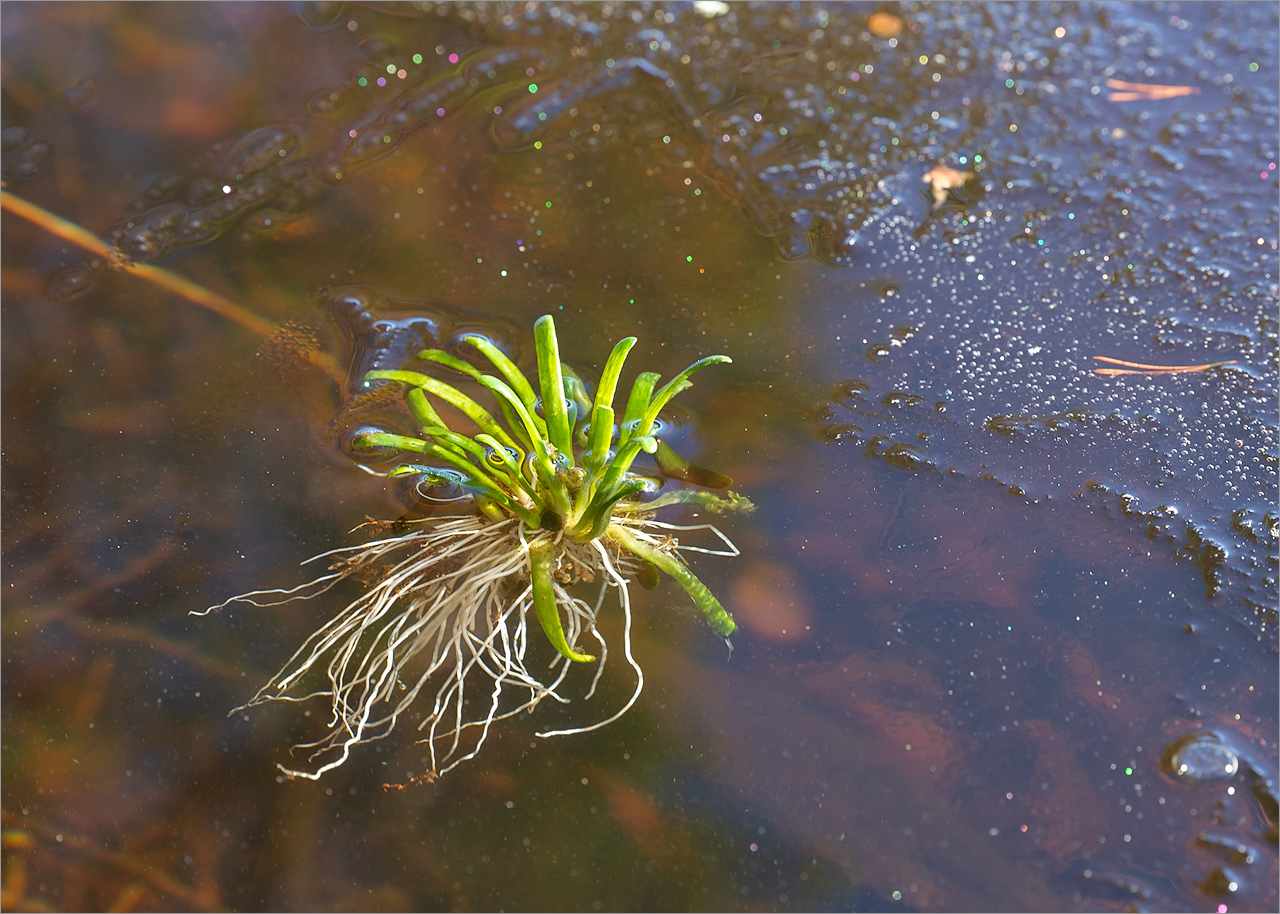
(901, 399)
(636, 60)
(848, 393)
(878, 352)
(258, 150)
(264, 168)
(1022, 395)
(162, 189)
(382, 332)
(809, 128)
(288, 351)
(327, 101)
(902, 454)
(1011, 424)
(387, 333)
(256, 174)
(378, 50)
(23, 157)
(420, 103)
(375, 341)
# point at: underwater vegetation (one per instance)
(554, 500)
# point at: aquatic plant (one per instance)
(553, 501)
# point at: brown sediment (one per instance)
(128, 863)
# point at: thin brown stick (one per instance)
(166, 279)
(136, 633)
(1142, 368)
(1145, 92)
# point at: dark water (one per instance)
(1007, 625)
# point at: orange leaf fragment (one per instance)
(1142, 368)
(941, 179)
(1146, 92)
(884, 25)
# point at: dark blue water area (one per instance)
(1021, 669)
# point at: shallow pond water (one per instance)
(1007, 624)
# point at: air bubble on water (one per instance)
(258, 150)
(12, 138)
(162, 189)
(68, 283)
(459, 346)
(82, 96)
(353, 442)
(318, 15)
(1200, 758)
(30, 160)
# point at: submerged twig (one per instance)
(1140, 368)
(167, 279)
(1122, 91)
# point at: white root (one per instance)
(448, 607)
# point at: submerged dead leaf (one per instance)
(1145, 92)
(769, 600)
(884, 25)
(942, 179)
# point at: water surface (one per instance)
(1007, 624)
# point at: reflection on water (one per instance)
(1008, 625)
